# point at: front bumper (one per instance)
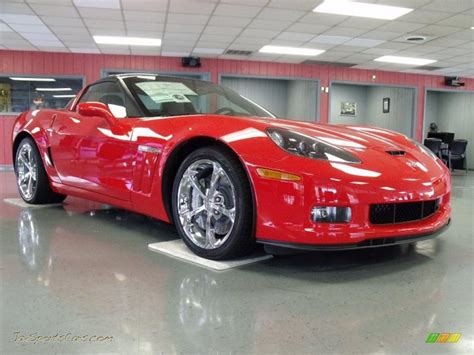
(367, 243)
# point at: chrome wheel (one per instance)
(27, 171)
(206, 204)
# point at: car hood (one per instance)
(344, 136)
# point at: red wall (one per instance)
(90, 65)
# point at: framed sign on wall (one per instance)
(348, 108)
(386, 105)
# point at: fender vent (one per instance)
(396, 153)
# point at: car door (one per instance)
(90, 153)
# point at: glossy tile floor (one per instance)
(85, 270)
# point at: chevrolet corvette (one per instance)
(227, 172)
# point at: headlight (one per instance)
(309, 147)
(424, 149)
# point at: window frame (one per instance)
(54, 76)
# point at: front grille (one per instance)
(388, 213)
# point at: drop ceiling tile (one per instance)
(5, 28)
(236, 10)
(348, 49)
(285, 43)
(144, 26)
(332, 55)
(148, 16)
(124, 51)
(69, 31)
(344, 31)
(306, 5)
(204, 50)
(363, 23)
(250, 32)
(141, 51)
(79, 44)
(358, 58)
(463, 21)
(244, 2)
(39, 37)
(426, 48)
(379, 51)
(30, 28)
(173, 27)
(103, 4)
(21, 47)
(245, 47)
(106, 24)
(467, 35)
(455, 51)
(395, 45)
(308, 28)
(144, 34)
(51, 44)
(400, 27)
(322, 19)
(45, 47)
(176, 53)
(424, 16)
(220, 30)
(176, 48)
(384, 35)
(449, 6)
(10, 37)
(50, 10)
(436, 30)
(20, 19)
(364, 42)
(207, 44)
(15, 8)
(295, 36)
(446, 42)
(280, 14)
(188, 37)
(144, 5)
(269, 25)
(84, 50)
(109, 14)
(330, 39)
(49, 2)
(229, 21)
(217, 38)
(107, 32)
(368, 65)
(187, 19)
(191, 7)
(322, 46)
(62, 21)
(251, 40)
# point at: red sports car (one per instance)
(228, 173)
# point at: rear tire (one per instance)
(212, 205)
(31, 177)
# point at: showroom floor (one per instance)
(86, 270)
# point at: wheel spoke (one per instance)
(228, 212)
(189, 214)
(196, 185)
(210, 232)
(30, 185)
(216, 174)
(23, 161)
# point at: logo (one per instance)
(443, 337)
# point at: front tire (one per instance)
(212, 205)
(31, 178)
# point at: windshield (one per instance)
(165, 96)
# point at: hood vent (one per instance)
(396, 153)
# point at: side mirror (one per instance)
(98, 109)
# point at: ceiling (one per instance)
(208, 28)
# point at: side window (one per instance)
(108, 93)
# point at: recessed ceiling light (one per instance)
(472, 28)
(361, 9)
(63, 96)
(31, 79)
(132, 41)
(290, 50)
(404, 60)
(53, 89)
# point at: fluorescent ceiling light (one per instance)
(31, 79)
(361, 9)
(61, 96)
(404, 60)
(53, 89)
(132, 41)
(290, 50)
